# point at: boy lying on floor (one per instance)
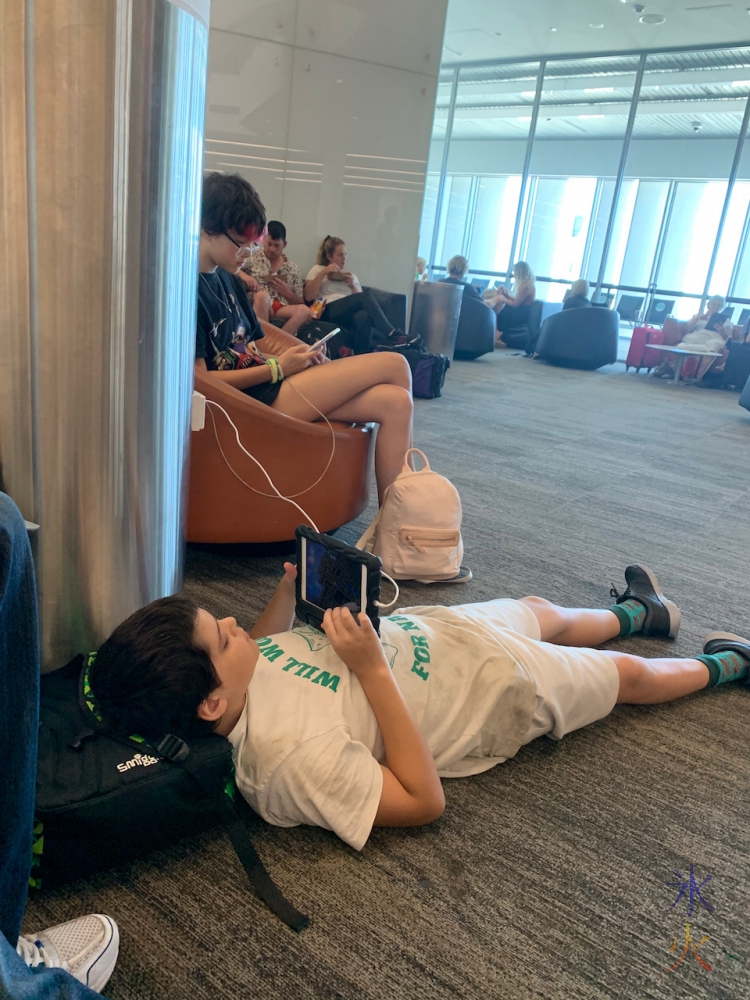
(346, 731)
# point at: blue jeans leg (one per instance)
(19, 713)
(19, 722)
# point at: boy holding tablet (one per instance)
(346, 731)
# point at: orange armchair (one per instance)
(293, 452)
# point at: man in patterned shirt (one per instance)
(274, 283)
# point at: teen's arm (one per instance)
(240, 378)
(279, 612)
(412, 794)
(293, 360)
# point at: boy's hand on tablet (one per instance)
(355, 641)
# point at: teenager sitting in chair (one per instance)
(285, 375)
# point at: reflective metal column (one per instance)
(102, 104)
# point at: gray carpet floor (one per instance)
(547, 876)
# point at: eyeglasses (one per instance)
(242, 249)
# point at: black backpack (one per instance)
(94, 791)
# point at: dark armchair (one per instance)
(476, 329)
(580, 338)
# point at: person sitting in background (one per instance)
(345, 302)
(421, 273)
(287, 377)
(710, 318)
(457, 268)
(273, 282)
(577, 296)
(513, 310)
(706, 333)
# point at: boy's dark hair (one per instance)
(149, 677)
(231, 202)
(277, 230)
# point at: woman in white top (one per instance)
(346, 303)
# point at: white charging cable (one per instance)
(390, 603)
(288, 499)
(276, 492)
(281, 496)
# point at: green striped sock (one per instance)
(631, 615)
(725, 667)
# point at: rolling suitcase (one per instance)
(639, 355)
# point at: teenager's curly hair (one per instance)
(231, 202)
(149, 677)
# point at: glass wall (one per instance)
(633, 173)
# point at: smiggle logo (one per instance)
(140, 760)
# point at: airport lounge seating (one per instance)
(294, 453)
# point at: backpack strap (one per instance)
(409, 462)
(177, 751)
(367, 540)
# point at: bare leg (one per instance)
(642, 681)
(573, 626)
(392, 407)
(369, 387)
(295, 316)
(262, 305)
(329, 386)
(650, 682)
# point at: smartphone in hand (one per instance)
(319, 343)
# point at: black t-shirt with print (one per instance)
(227, 325)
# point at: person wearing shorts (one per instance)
(346, 730)
(273, 282)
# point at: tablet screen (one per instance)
(330, 579)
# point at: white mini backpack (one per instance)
(417, 531)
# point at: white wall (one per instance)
(648, 158)
(326, 107)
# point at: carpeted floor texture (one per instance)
(547, 877)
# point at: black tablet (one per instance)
(331, 574)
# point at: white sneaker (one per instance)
(86, 948)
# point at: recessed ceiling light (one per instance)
(524, 118)
(741, 83)
(652, 19)
(555, 29)
(532, 93)
(596, 24)
(592, 116)
(598, 90)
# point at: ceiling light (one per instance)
(596, 24)
(532, 93)
(524, 119)
(741, 83)
(555, 29)
(591, 116)
(598, 90)
(652, 19)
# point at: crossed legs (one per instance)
(371, 387)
